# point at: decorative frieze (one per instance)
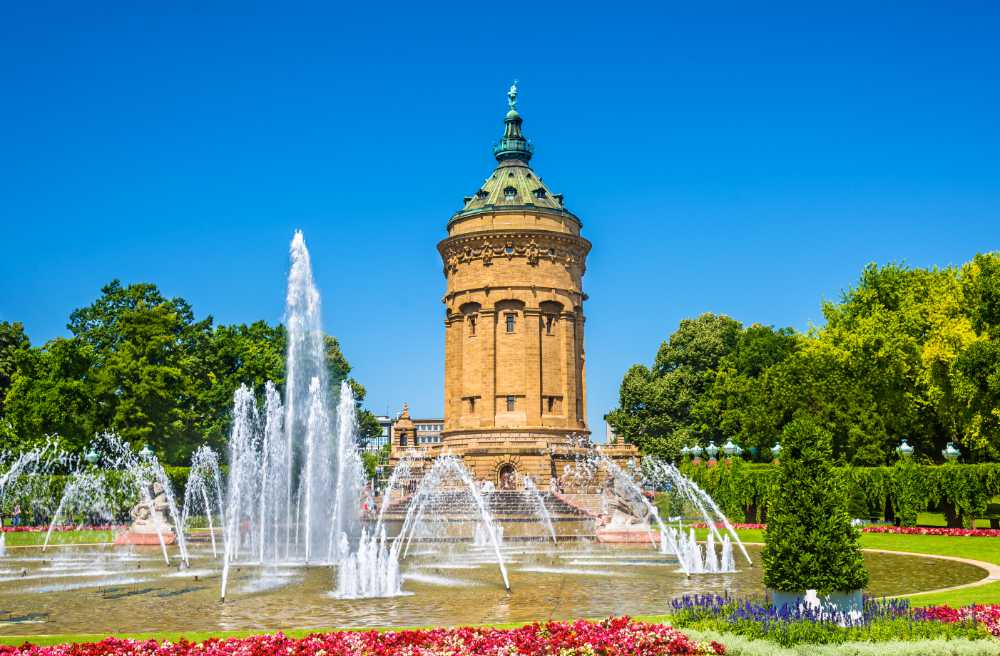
(569, 250)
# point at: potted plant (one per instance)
(810, 543)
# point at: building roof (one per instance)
(513, 184)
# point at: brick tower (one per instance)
(514, 259)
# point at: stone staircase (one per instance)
(502, 504)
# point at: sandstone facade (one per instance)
(515, 375)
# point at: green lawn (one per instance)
(937, 519)
(34, 538)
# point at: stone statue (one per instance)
(618, 510)
(512, 95)
(151, 516)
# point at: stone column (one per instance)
(488, 414)
(533, 366)
(570, 383)
(453, 372)
(581, 357)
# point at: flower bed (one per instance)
(889, 619)
(618, 636)
(988, 616)
(904, 530)
(60, 528)
(934, 530)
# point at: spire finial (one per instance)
(513, 145)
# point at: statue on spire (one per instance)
(512, 95)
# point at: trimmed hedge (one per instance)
(897, 493)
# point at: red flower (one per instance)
(613, 637)
(988, 615)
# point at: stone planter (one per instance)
(843, 601)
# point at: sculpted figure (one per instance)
(618, 509)
(148, 515)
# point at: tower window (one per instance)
(510, 323)
(539, 193)
(511, 403)
(472, 325)
(549, 323)
(550, 402)
(509, 193)
(481, 194)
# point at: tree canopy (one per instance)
(906, 353)
(142, 365)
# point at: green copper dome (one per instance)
(513, 183)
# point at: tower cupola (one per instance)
(512, 145)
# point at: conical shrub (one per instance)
(809, 542)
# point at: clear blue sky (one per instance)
(725, 159)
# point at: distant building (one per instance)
(384, 437)
(428, 431)
(416, 432)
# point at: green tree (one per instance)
(655, 404)
(975, 376)
(51, 393)
(140, 364)
(14, 343)
(809, 542)
(879, 326)
(252, 354)
(981, 291)
(738, 400)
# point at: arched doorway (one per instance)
(507, 477)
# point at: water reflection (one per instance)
(94, 590)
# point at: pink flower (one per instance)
(618, 636)
(987, 615)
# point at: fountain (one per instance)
(371, 571)
(627, 509)
(448, 490)
(289, 511)
(25, 478)
(539, 505)
(203, 491)
(295, 476)
(481, 536)
(101, 492)
(664, 475)
(695, 560)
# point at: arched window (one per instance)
(507, 476)
(510, 193)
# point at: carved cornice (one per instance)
(534, 245)
(575, 297)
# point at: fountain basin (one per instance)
(144, 539)
(639, 534)
(444, 583)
